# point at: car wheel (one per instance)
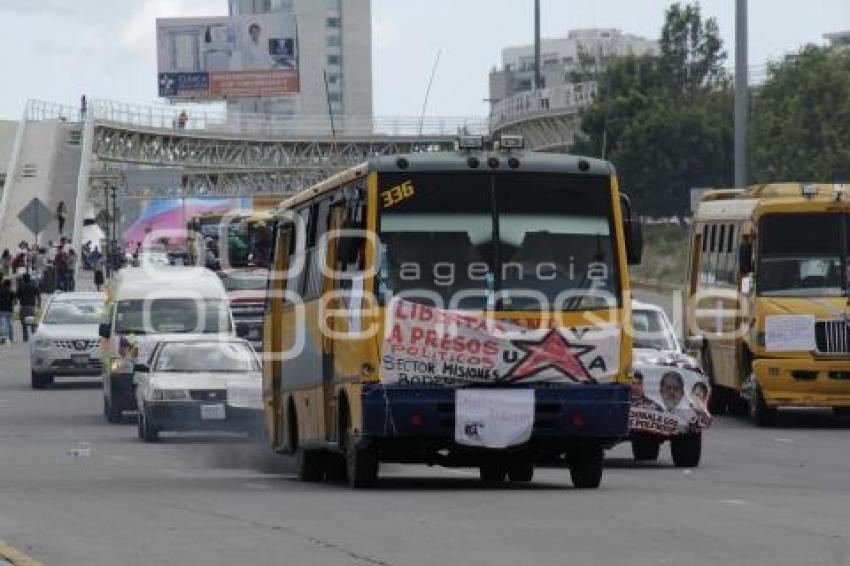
(521, 472)
(147, 430)
(841, 412)
(40, 381)
(492, 472)
(112, 415)
(586, 468)
(646, 449)
(686, 450)
(335, 468)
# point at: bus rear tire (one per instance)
(686, 450)
(646, 449)
(310, 465)
(586, 468)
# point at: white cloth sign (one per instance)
(493, 418)
(429, 346)
(789, 333)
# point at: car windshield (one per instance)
(216, 357)
(652, 331)
(521, 241)
(801, 255)
(74, 312)
(244, 282)
(173, 316)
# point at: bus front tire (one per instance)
(761, 414)
(646, 449)
(361, 466)
(40, 381)
(686, 450)
(586, 468)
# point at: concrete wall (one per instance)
(8, 130)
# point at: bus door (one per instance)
(343, 354)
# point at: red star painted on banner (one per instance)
(553, 352)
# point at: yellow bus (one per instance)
(769, 297)
(463, 309)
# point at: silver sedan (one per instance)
(66, 342)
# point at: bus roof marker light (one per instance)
(494, 162)
(473, 162)
(584, 165)
(470, 142)
(512, 142)
(402, 163)
(514, 163)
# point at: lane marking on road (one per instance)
(738, 502)
(16, 557)
(785, 440)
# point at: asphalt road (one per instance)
(76, 491)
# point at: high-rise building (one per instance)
(334, 40)
(582, 51)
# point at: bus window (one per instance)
(800, 255)
(554, 236)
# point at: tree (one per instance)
(801, 119)
(665, 121)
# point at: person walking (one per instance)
(99, 268)
(30, 299)
(61, 216)
(7, 308)
(84, 108)
(60, 266)
(71, 270)
(39, 267)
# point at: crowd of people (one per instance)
(33, 270)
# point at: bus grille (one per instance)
(832, 337)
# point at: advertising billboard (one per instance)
(220, 58)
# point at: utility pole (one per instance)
(538, 77)
(742, 95)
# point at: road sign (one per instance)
(35, 216)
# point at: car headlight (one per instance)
(170, 395)
(42, 344)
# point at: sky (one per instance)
(56, 50)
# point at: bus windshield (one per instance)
(800, 255)
(514, 242)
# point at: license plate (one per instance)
(213, 413)
(80, 361)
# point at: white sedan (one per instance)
(199, 384)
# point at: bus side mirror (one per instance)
(633, 231)
(634, 241)
(745, 258)
(105, 331)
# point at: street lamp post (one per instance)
(108, 250)
(114, 241)
(742, 94)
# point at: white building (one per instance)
(561, 58)
(838, 40)
(334, 37)
(8, 129)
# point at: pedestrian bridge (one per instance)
(62, 154)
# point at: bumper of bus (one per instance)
(565, 417)
(804, 382)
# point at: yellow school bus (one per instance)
(457, 308)
(769, 297)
